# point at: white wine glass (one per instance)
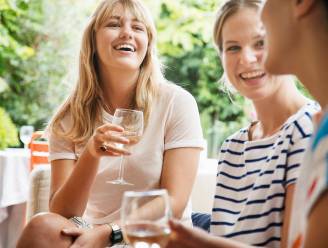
(144, 218)
(133, 123)
(25, 135)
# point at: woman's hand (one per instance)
(88, 238)
(104, 141)
(187, 237)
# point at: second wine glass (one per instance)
(133, 124)
(144, 218)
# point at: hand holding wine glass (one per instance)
(144, 218)
(132, 122)
(25, 135)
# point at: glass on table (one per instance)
(25, 134)
(144, 218)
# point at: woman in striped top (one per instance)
(258, 165)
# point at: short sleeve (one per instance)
(59, 146)
(183, 128)
(299, 143)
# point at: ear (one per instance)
(302, 7)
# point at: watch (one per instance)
(116, 235)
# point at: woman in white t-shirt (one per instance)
(259, 164)
(118, 69)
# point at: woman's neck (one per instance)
(118, 88)
(273, 112)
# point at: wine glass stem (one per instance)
(121, 169)
(25, 145)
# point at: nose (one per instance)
(125, 32)
(248, 56)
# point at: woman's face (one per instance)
(122, 41)
(278, 24)
(242, 55)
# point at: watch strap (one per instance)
(116, 235)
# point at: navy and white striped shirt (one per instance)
(253, 177)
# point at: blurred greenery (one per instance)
(39, 42)
(8, 131)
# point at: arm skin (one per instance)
(317, 228)
(178, 176)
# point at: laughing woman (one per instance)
(118, 69)
(258, 165)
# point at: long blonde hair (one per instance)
(86, 102)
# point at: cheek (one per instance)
(229, 65)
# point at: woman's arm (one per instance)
(178, 176)
(287, 215)
(317, 228)
(71, 180)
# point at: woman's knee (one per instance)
(44, 230)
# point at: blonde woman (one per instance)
(259, 164)
(118, 69)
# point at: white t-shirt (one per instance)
(173, 123)
(253, 177)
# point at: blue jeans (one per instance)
(201, 220)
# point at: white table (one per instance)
(14, 181)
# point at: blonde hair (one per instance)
(227, 9)
(86, 102)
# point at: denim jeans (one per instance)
(201, 220)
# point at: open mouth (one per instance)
(125, 47)
(252, 75)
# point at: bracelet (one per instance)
(116, 235)
(81, 223)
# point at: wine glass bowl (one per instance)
(144, 218)
(25, 135)
(133, 124)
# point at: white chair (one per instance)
(38, 200)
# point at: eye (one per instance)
(259, 44)
(138, 28)
(233, 48)
(113, 24)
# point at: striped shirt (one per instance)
(253, 177)
(312, 183)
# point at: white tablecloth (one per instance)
(14, 185)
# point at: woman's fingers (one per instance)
(110, 127)
(113, 150)
(74, 231)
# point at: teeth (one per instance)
(126, 46)
(253, 74)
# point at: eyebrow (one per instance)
(119, 18)
(258, 36)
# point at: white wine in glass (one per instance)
(144, 218)
(133, 123)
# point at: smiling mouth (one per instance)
(252, 75)
(125, 47)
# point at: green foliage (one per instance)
(39, 43)
(186, 47)
(8, 131)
